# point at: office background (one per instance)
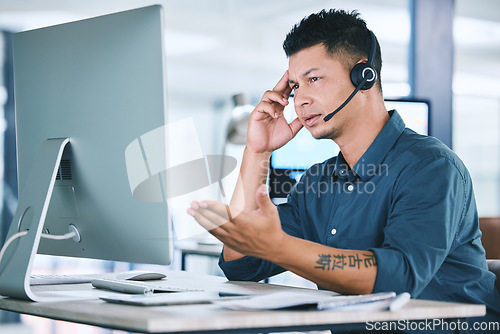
(445, 51)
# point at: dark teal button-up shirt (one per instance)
(410, 200)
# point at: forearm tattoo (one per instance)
(342, 261)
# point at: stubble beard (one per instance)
(327, 133)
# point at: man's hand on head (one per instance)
(268, 129)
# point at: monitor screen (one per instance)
(290, 161)
(415, 114)
(97, 84)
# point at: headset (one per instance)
(363, 76)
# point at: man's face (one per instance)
(320, 84)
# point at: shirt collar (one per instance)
(341, 169)
(369, 163)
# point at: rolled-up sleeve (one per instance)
(248, 268)
(427, 211)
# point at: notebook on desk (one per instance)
(272, 301)
(302, 299)
(176, 298)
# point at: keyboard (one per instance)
(58, 279)
(137, 287)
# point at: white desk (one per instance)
(209, 318)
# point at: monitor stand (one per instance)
(34, 199)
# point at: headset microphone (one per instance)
(359, 77)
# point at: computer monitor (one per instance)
(291, 161)
(85, 91)
(415, 113)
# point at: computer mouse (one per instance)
(140, 275)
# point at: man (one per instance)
(394, 211)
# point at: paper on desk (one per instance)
(289, 299)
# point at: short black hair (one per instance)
(344, 34)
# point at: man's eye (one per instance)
(314, 79)
(296, 86)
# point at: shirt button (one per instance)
(333, 231)
(350, 187)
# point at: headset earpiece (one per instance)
(359, 72)
(363, 76)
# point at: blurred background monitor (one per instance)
(100, 83)
(292, 160)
